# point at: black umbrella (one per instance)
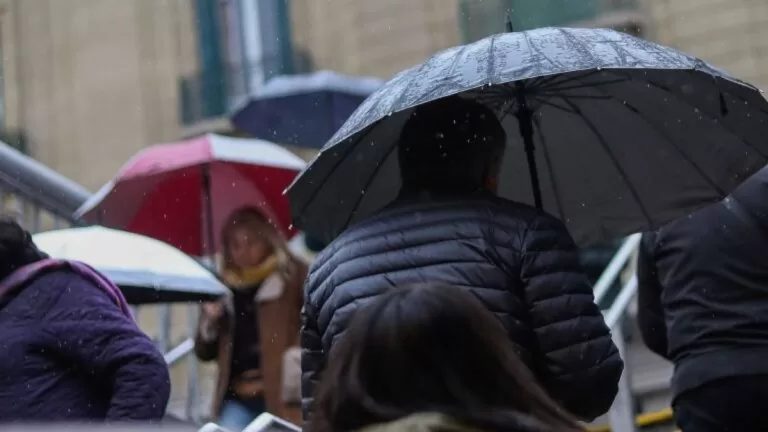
(611, 133)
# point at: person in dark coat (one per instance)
(70, 350)
(703, 304)
(447, 225)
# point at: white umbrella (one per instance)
(145, 269)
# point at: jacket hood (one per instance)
(423, 422)
(753, 196)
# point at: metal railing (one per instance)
(38, 196)
(622, 413)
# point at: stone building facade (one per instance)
(731, 34)
(89, 82)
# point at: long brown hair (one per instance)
(254, 219)
(431, 348)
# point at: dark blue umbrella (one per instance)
(303, 110)
(611, 133)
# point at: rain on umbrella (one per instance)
(145, 269)
(611, 133)
(303, 110)
(181, 193)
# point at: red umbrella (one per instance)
(171, 191)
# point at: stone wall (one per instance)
(377, 38)
(93, 81)
(731, 34)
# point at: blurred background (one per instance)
(85, 84)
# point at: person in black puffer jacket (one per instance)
(448, 226)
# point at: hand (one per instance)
(213, 310)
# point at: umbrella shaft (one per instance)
(525, 124)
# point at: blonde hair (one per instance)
(252, 218)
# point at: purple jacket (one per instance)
(71, 352)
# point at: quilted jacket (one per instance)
(519, 261)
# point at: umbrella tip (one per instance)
(508, 22)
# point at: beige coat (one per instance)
(279, 301)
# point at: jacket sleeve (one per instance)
(578, 363)
(312, 355)
(207, 336)
(650, 313)
(87, 327)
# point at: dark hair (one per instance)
(449, 144)
(431, 348)
(16, 247)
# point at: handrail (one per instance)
(622, 416)
(179, 352)
(621, 303)
(39, 184)
(615, 266)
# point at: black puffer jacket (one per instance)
(520, 262)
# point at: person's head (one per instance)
(247, 239)
(451, 144)
(16, 247)
(430, 348)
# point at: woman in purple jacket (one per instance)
(69, 348)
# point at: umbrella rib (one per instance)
(548, 159)
(554, 105)
(551, 81)
(584, 97)
(723, 124)
(368, 183)
(332, 170)
(591, 126)
(747, 85)
(582, 85)
(658, 130)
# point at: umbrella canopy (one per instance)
(611, 133)
(145, 269)
(182, 193)
(303, 110)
